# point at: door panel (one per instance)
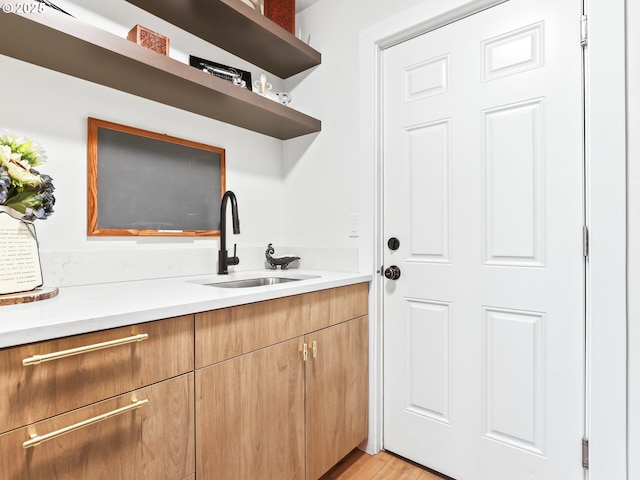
(513, 227)
(484, 329)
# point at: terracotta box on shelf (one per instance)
(282, 12)
(149, 39)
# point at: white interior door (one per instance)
(483, 172)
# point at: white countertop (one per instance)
(90, 308)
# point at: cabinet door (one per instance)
(336, 394)
(154, 441)
(250, 416)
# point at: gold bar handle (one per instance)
(36, 359)
(36, 440)
(314, 349)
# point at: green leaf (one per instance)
(24, 200)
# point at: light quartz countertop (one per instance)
(90, 308)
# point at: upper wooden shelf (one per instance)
(59, 42)
(239, 29)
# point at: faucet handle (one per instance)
(234, 260)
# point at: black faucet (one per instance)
(223, 260)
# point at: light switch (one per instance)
(354, 231)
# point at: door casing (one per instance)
(605, 134)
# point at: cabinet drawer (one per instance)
(153, 441)
(34, 392)
(342, 304)
(229, 332)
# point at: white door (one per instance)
(483, 174)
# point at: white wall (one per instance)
(302, 200)
(53, 109)
(321, 172)
(633, 205)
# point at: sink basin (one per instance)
(246, 281)
(252, 282)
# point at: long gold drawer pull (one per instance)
(38, 439)
(34, 360)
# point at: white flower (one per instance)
(30, 150)
(18, 172)
(5, 154)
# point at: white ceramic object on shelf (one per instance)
(262, 86)
(280, 97)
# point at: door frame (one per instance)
(605, 179)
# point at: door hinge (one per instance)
(583, 31)
(585, 452)
(585, 241)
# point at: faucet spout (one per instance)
(223, 259)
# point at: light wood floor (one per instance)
(383, 466)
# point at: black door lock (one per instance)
(392, 272)
(393, 243)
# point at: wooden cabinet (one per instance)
(264, 406)
(273, 389)
(49, 386)
(62, 43)
(154, 441)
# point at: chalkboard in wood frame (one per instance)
(142, 183)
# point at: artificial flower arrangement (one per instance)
(22, 187)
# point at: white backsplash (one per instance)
(70, 268)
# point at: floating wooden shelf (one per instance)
(59, 42)
(239, 29)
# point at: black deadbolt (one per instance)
(393, 243)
